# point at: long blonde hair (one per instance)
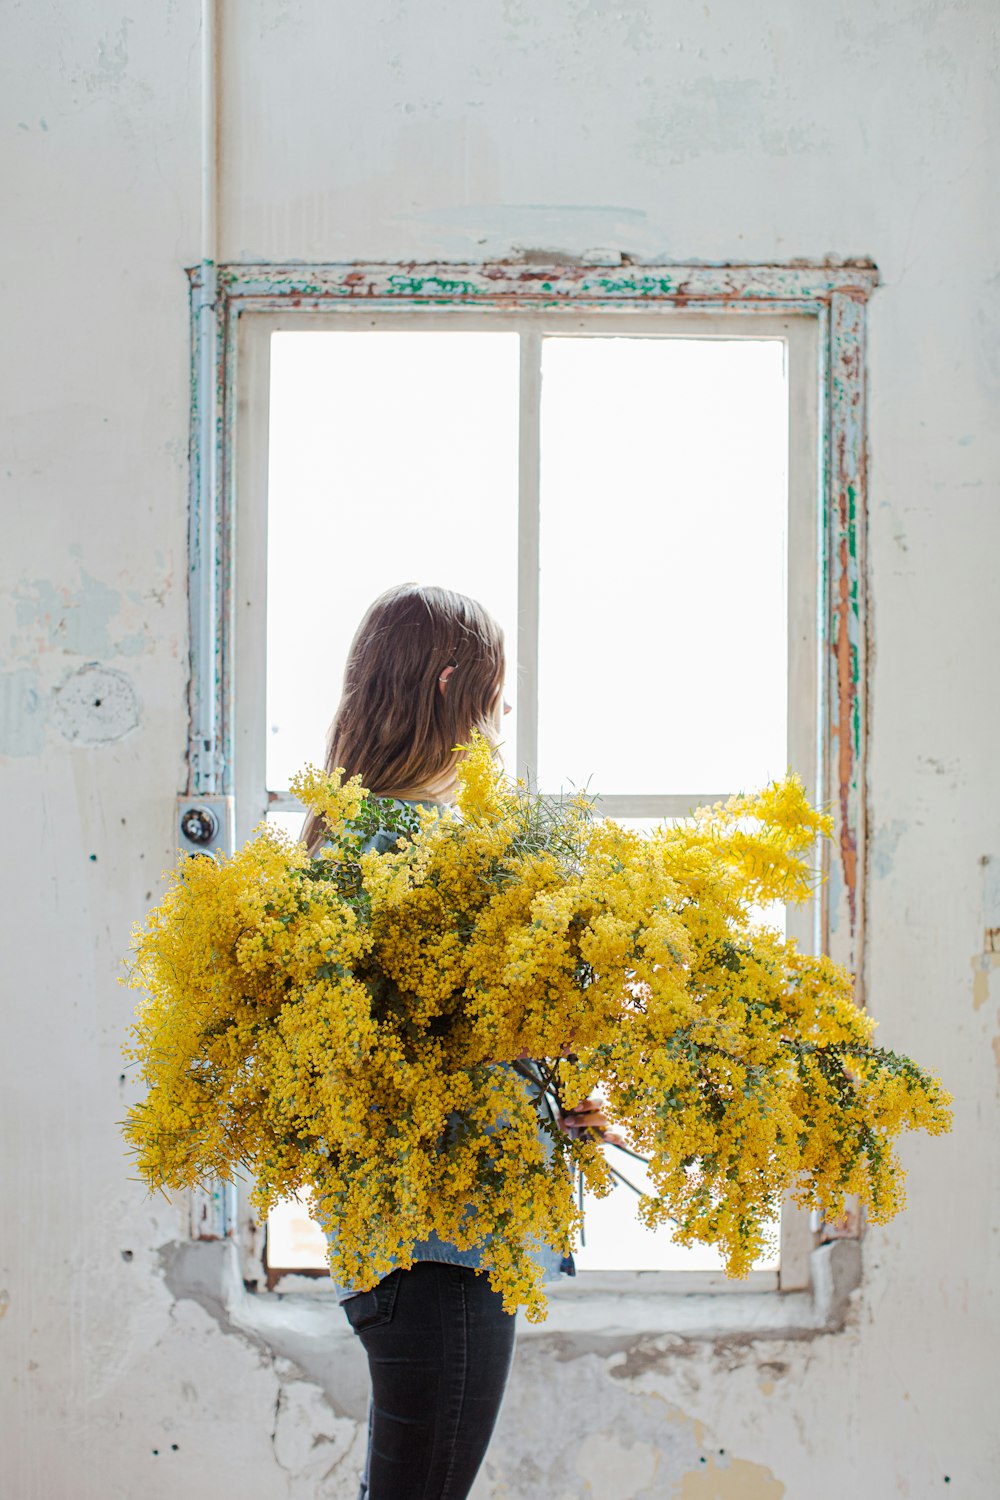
(393, 725)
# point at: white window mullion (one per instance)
(248, 652)
(529, 463)
(803, 573)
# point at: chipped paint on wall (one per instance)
(983, 965)
(86, 618)
(310, 1441)
(717, 115)
(989, 868)
(562, 281)
(111, 64)
(24, 709)
(883, 847)
(60, 618)
(835, 888)
(733, 1479)
(638, 1443)
(613, 1470)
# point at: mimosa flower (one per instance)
(351, 1027)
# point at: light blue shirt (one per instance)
(551, 1261)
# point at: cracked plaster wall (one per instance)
(695, 131)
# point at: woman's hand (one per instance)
(589, 1115)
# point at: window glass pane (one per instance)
(393, 458)
(617, 1240)
(663, 599)
(291, 823)
(294, 1239)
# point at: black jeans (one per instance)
(439, 1348)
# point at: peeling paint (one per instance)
(716, 115)
(613, 1470)
(87, 618)
(802, 286)
(883, 847)
(737, 1479)
(74, 620)
(990, 876)
(299, 1338)
(112, 61)
(637, 1445)
(848, 621)
(983, 965)
(310, 1441)
(835, 891)
(24, 709)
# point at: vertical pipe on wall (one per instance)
(209, 131)
(204, 770)
(213, 1207)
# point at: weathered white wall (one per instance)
(393, 130)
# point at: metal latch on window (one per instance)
(205, 825)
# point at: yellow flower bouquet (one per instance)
(353, 1026)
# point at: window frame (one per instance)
(822, 314)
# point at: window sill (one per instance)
(305, 1324)
(703, 1305)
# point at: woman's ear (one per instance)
(443, 678)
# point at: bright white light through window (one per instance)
(662, 601)
(392, 458)
(295, 1241)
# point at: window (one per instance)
(642, 493)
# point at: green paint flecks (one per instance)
(632, 286)
(434, 286)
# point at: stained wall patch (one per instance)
(96, 705)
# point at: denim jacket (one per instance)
(552, 1262)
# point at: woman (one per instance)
(425, 668)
